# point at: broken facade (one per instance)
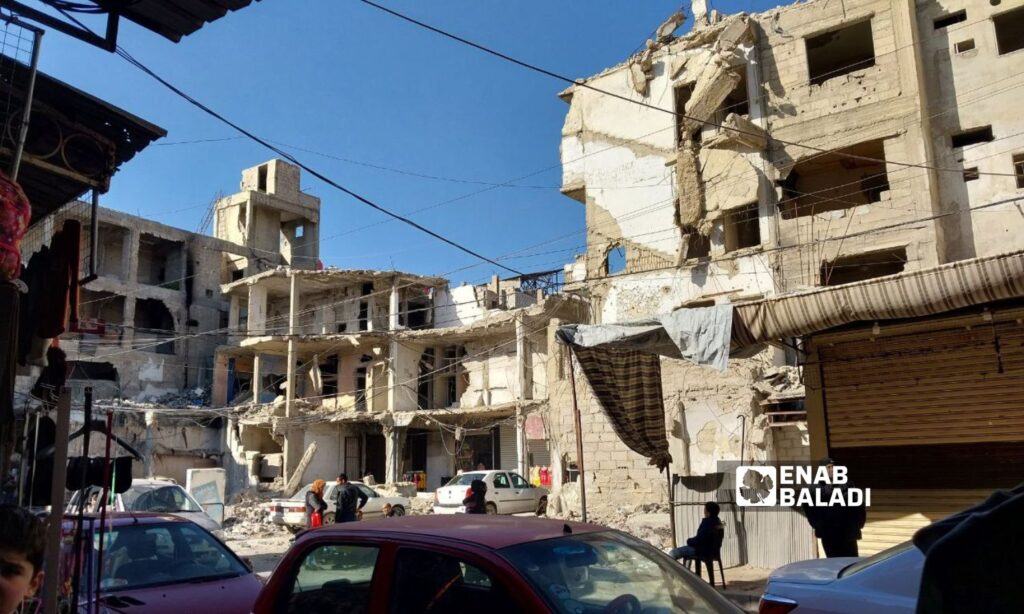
(812, 145)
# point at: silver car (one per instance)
(156, 495)
(507, 493)
(291, 513)
(886, 583)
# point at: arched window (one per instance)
(615, 260)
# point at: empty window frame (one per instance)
(261, 178)
(1009, 30)
(682, 97)
(615, 260)
(947, 20)
(697, 245)
(964, 46)
(1018, 169)
(973, 136)
(742, 228)
(970, 174)
(840, 52)
(841, 179)
(858, 267)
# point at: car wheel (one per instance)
(398, 510)
(329, 518)
(542, 507)
(491, 508)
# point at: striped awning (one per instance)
(925, 292)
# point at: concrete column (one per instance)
(258, 311)
(393, 307)
(128, 332)
(257, 378)
(234, 313)
(392, 363)
(393, 436)
(293, 438)
(524, 392)
(131, 251)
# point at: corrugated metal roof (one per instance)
(174, 19)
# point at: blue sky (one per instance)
(343, 79)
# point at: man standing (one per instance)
(837, 527)
(348, 499)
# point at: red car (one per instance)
(157, 564)
(480, 564)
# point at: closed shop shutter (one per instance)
(509, 452)
(932, 420)
(540, 453)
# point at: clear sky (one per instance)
(340, 78)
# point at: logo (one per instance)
(797, 486)
(756, 486)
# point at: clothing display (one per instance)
(15, 215)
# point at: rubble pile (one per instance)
(185, 399)
(422, 504)
(647, 521)
(246, 516)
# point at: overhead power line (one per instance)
(582, 83)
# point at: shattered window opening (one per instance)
(1018, 169)
(1009, 30)
(836, 180)
(970, 174)
(615, 260)
(682, 97)
(160, 262)
(973, 136)
(840, 52)
(153, 322)
(947, 20)
(698, 245)
(742, 228)
(858, 267)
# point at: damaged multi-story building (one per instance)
(375, 373)
(787, 153)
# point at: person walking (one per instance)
(838, 527)
(476, 499)
(315, 504)
(349, 499)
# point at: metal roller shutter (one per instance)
(508, 451)
(540, 452)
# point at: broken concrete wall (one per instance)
(968, 88)
(491, 369)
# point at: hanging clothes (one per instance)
(15, 215)
(34, 276)
(59, 304)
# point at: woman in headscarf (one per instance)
(315, 502)
(476, 498)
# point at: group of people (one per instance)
(349, 501)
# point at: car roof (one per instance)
(120, 519)
(490, 531)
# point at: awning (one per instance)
(905, 295)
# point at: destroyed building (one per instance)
(381, 373)
(798, 150)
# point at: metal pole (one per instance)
(579, 439)
(80, 520)
(51, 581)
(19, 148)
(35, 451)
(24, 460)
(103, 507)
(94, 236)
(672, 506)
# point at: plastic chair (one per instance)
(715, 556)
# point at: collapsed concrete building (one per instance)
(807, 147)
(385, 374)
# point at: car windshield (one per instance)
(142, 555)
(585, 573)
(166, 499)
(863, 564)
(466, 479)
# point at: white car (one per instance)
(155, 495)
(886, 583)
(291, 513)
(507, 493)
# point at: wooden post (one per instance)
(53, 528)
(579, 438)
(672, 506)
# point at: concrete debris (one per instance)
(647, 521)
(699, 8)
(678, 65)
(740, 134)
(246, 516)
(690, 190)
(185, 399)
(641, 69)
(666, 31)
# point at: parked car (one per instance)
(492, 564)
(161, 496)
(159, 563)
(886, 583)
(292, 512)
(507, 493)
